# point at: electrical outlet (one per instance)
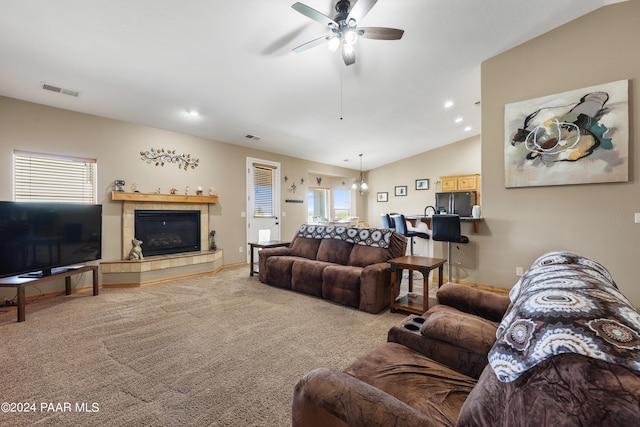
(240, 249)
(637, 218)
(519, 271)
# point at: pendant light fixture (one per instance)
(359, 184)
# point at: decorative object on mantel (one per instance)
(186, 191)
(161, 156)
(118, 184)
(136, 251)
(213, 192)
(173, 191)
(212, 236)
(293, 201)
(199, 191)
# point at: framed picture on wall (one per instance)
(422, 184)
(401, 190)
(383, 197)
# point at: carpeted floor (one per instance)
(215, 350)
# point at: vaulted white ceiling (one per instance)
(149, 61)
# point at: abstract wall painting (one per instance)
(575, 137)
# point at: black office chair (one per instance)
(387, 221)
(401, 228)
(446, 228)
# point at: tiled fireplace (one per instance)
(158, 268)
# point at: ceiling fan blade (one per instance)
(312, 43)
(348, 55)
(381, 33)
(314, 14)
(360, 9)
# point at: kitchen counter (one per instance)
(414, 219)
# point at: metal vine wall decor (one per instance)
(161, 156)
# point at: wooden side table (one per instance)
(262, 245)
(417, 304)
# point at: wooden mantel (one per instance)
(161, 198)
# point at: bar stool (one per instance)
(401, 228)
(446, 228)
(387, 221)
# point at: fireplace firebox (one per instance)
(166, 232)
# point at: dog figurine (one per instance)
(136, 250)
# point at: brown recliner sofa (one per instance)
(566, 354)
(459, 331)
(346, 265)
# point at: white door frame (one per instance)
(254, 224)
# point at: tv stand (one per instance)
(22, 281)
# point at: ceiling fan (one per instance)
(344, 27)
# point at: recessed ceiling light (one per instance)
(193, 113)
(459, 119)
(467, 129)
(448, 104)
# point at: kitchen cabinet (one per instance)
(460, 183)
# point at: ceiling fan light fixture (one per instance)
(333, 44)
(350, 37)
(344, 27)
(347, 48)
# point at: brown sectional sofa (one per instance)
(346, 265)
(566, 353)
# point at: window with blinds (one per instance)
(264, 191)
(50, 178)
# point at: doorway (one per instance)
(263, 201)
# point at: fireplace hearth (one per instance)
(167, 232)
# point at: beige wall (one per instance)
(116, 145)
(596, 220)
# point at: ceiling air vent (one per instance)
(57, 89)
(257, 138)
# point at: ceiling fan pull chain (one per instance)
(341, 93)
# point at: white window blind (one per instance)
(264, 191)
(50, 178)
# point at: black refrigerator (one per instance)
(456, 202)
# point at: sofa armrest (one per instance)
(264, 254)
(459, 358)
(326, 397)
(375, 287)
(486, 304)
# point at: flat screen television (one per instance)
(40, 239)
